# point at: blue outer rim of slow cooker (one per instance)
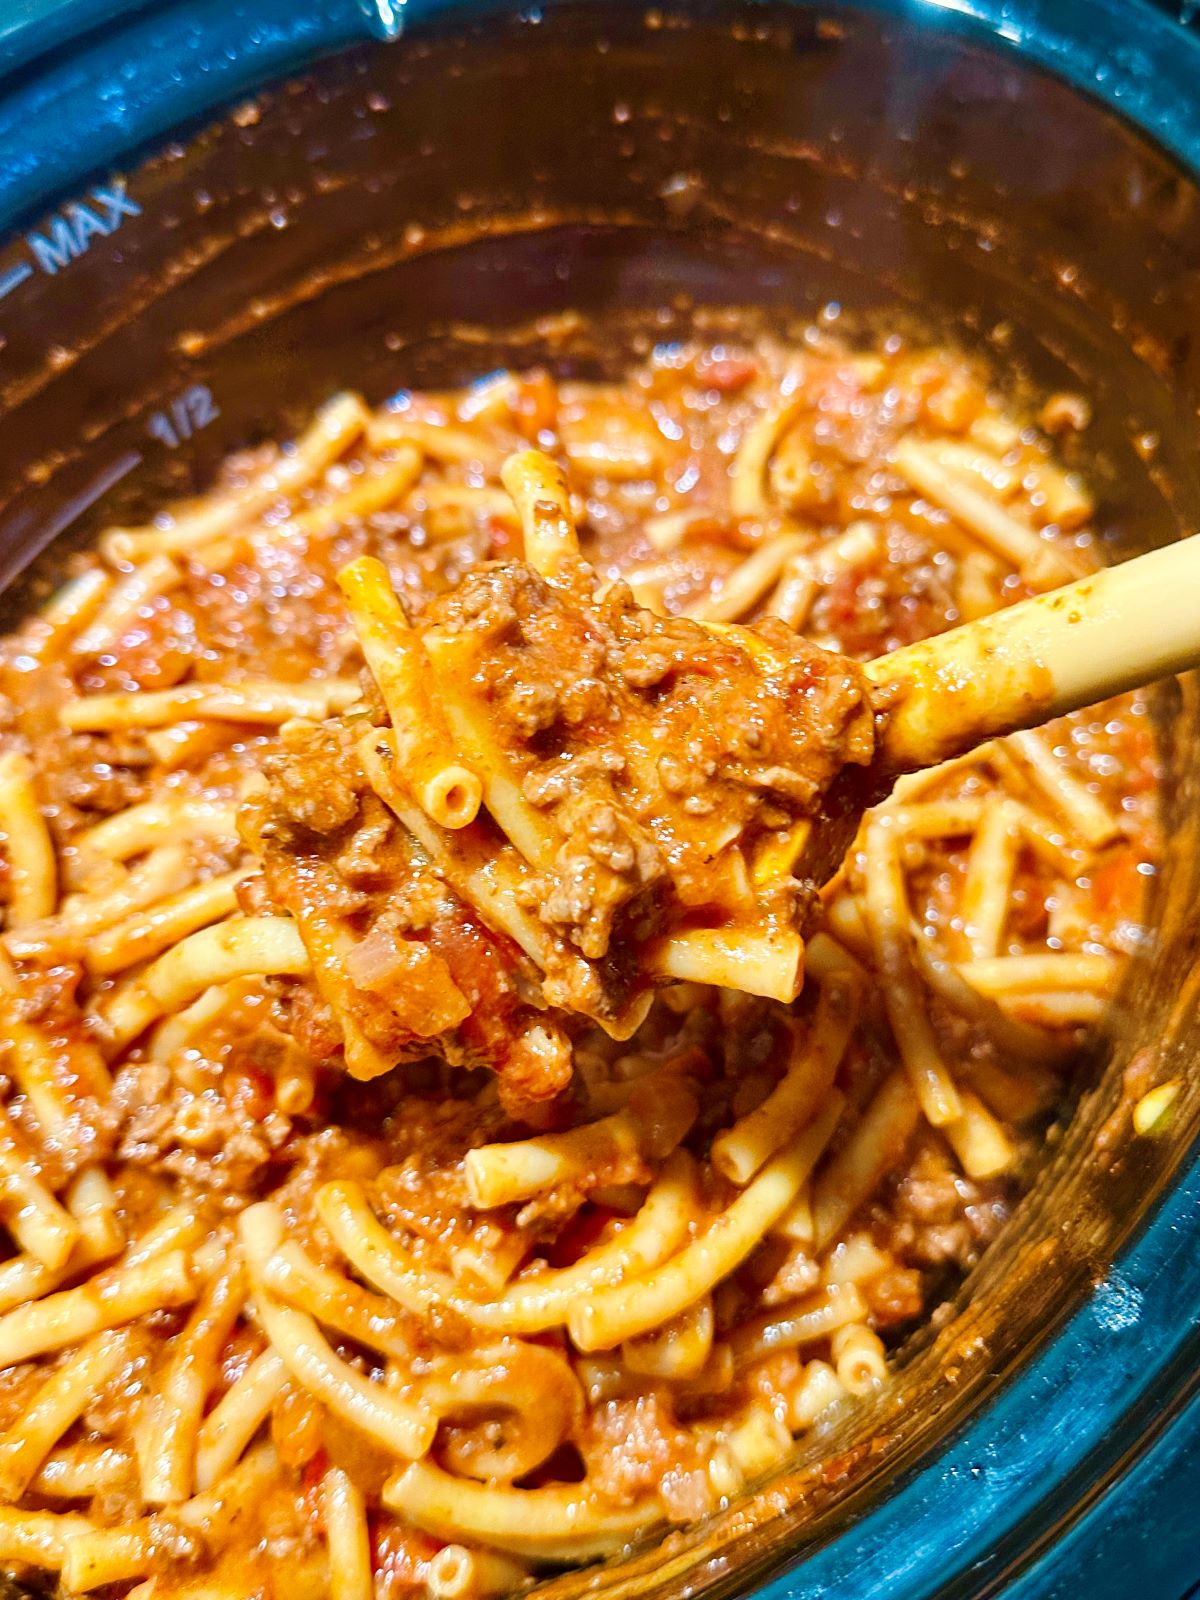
(82, 110)
(1082, 1475)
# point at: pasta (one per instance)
(444, 1134)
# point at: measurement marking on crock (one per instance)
(14, 278)
(69, 232)
(190, 410)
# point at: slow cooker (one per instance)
(215, 211)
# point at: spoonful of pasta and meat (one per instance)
(557, 800)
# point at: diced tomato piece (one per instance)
(728, 374)
(250, 1092)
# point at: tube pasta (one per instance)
(539, 492)
(1015, 1094)
(747, 489)
(488, 879)
(38, 1071)
(334, 429)
(180, 1228)
(397, 1427)
(1041, 564)
(32, 868)
(1078, 806)
(567, 1523)
(265, 701)
(163, 873)
(68, 609)
(855, 1260)
(1055, 971)
(183, 1029)
(155, 577)
(622, 1311)
(237, 1416)
(451, 1297)
(188, 743)
(370, 492)
(795, 592)
(983, 1148)
(749, 581)
(741, 1150)
(77, 1472)
(875, 1144)
(336, 1301)
(769, 963)
(471, 726)
(847, 930)
(448, 791)
(159, 821)
(528, 1387)
(758, 1441)
(971, 458)
(991, 867)
(1044, 838)
(1025, 1043)
(37, 1220)
(295, 1084)
(401, 1428)
(776, 858)
(911, 786)
(1060, 1008)
(440, 441)
(796, 1223)
(168, 1443)
(148, 933)
(651, 1125)
(677, 1351)
(802, 1323)
(979, 573)
(233, 949)
(459, 1573)
(26, 1278)
(99, 1556)
(485, 1261)
(886, 909)
(57, 1072)
(40, 1538)
(542, 1300)
(666, 533)
(531, 1304)
(448, 508)
(935, 819)
(818, 1389)
(58, 1403)
(859, 1358)
(345, 1514)
(114, 1297)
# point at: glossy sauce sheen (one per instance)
(249, 1100)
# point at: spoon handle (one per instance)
(1114, 630)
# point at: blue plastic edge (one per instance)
(136, 79)
(1058, 1458)
(1058, 1462)
(80, 113)
(31, 28)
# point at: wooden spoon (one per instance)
(1119, 629)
